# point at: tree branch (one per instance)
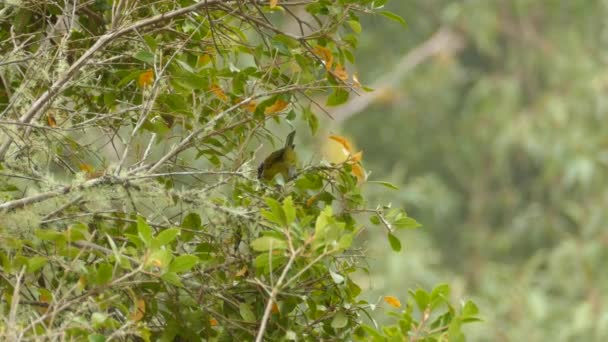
(58, 86)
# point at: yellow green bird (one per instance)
(281, 161)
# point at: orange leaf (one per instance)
(311, 200)
(215, 89)
(140, 310)
(276, 107)
(250, 106)
(340, 72)
(50, 119)
(275, 308)
(145, 78)
(355, 158)
(392, 301)
(343, 141)
(325, 55)
(84, 167)
(203, 59)
(213, 322)
(44, 297)
(273, 3)
(358, 172)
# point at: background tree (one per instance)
(499, 148)
(130, 204)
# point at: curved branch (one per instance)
(444, 40)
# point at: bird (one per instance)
(281, 161)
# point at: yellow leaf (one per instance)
(340, 72)
(325, 55)
(215, 89)
(140, 310)
(346, 145)
(50, 119)
(392, 301)
(358, 172)
(273, 3)
(276, 107)
(213, 322)
(145, 78)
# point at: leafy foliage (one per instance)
(130, 205)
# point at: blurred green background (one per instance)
(499, 149)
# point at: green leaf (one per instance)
(339, 321)
(104, 273)
(160, 258)
(183, 263)
(470, 309)
(337, 97)
(394, 17)
(36, 263)
(312, 120)
(246, 312)
(167, 236)
(192, 221)
(394, 241)
(440, 291)
(406, 223)
(96, 338)
(49, 235)
(266, 243)
(422, 299)
(278, 215)
(144, 231)
(355, 26)
(172, 278)
(374, 219)
(145, 56)
(289, 210)
(386, 184)
(191, 81)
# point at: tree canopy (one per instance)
(131, 208)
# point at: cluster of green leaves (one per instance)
(424, 318)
